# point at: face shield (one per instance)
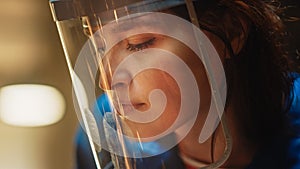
(145, 80)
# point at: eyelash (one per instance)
(140, 46)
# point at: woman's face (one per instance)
(136, 71)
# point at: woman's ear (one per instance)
(235, 34)
(239, 40)
(227, 28)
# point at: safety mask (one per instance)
(144, 77)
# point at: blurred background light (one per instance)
(31, 105)
(31, 53)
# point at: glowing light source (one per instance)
(31, 105)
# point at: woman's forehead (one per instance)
(154, 24)
(144, 21)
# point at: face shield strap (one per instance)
(70, 9)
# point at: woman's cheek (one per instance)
(149, 81)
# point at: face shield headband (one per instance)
(127, 44)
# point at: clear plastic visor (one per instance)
(146, 83)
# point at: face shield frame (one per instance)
(69, 10)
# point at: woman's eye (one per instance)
(140, 46)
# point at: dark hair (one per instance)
(257, 75)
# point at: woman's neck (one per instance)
(213, 149)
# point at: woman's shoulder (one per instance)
(293, 114)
